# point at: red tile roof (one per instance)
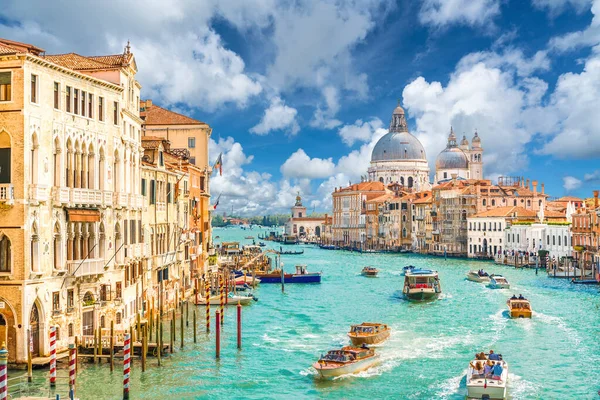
(156, 115)
(12, 47)
(78, 62)
(506, 212)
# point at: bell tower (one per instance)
(298, 211)
(476, 162)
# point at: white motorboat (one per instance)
(421, 284)
(231, 300)
(478, 276)
(498, 282)
(347, 360)
(479, 385)
(240, 280)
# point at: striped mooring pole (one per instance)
(3, 376)
(126, 366)
(217, 337)
(72, 371)
(207, 287)
(53, 356)
(221, 289)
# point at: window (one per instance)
(191, 142)
(68, 99)
(5, 86)
(90, 105)
(202, 183)
(152, 191)
(56, 95)
(70, 299)
(118, 318)
(143, 187)
(34, 88)
(83, 97)
(161, 160)
(5, 254)
(193, 160)
(70, 330)
(76, 101)
(169, 198)
(56, 301)
(118, 291)
(100, 108)
(116, 113)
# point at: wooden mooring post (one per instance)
(112, 346)
(195, 326)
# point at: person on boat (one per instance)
(477, 368)
(493, 356)
(497, 371)
(514, 297)
(480, 356)
(487, 369)
(521, 297)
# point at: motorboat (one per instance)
(407, 269)
(480, 386)
(347, 360)
(478, 276)
(240, 280)
(498, 282)
(249, 237)
(421, 284)
(230, 300)
(300, 276)
(519, 307)
(368, 333)
(570, 272)
(369, 272)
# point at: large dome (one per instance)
(452, 158)
(398, 146)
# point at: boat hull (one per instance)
(370, 274)
(327, 372)
(231, 301)
(493, 390)
(477, 278)
(519, 313)
(291, 278)
(371, 339)
(421, 294)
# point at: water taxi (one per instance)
(498, 282)
(301, 276)
(478, 276)
(519, 307)
(480, 386)
(368, 333)
(370, 272)
(421, 284)
(347, 360)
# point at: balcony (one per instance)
(7, 193)
(121, 199)
(38, 193)
(419, 217)
(107, 198)
(85, 196)
(60, 195)
(139, 201)
(77, 268)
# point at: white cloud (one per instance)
(592, 177)
(300, 165)
(571, 183)
(509, 58)
(324, 115)
(440, 13)
(359, 131)
(557, 6)
(586, 37)
(277, 117)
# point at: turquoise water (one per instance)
(555, 355)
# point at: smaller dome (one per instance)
(452, 158)
(476, 138)
(398, 110)
(464, 141)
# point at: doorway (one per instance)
(34, 326)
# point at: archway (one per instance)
(302, 232)
(485, 245)
(318, 231)
(3, 329)
(88, 314)
(410, 181)
(34, 330)
(5, 160)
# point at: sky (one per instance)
(299, 91)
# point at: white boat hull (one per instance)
(231, 301)
(477, 278)
(353, 368)
(495, 389)
(499, 285)
(576, 273)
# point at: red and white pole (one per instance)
(3, 376)
(72, 356)
(239, 326)
(52, 356)
(126, 366)
(218, 336)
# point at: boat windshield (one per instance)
(338, 356)
(363, 329)
(520, 305)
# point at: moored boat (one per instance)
(232, 300)
(519, 307)
(261, 244)
(490, 386)
(478, 276)
(421, 284)
(301, 276)
(347, 360)
(370, 272)
(240, 280)
(368, 333)
(498, 282)
(249, 237)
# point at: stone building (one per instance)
(399, 157)
(463, 161)
(70, 202)
(422, 221)
(301, 225)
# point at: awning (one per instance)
(82, 215)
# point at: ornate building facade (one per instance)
(463, 161)
(301, 225)
(399, 157)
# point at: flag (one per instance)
(214, 207)
(219, 164)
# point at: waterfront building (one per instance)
(349, 212)
(187, 139)
(463, 161)
(422, 221)
(586, 232)
(70, 206)
(399, 157)
(301, 225)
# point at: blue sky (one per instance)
(298, 92)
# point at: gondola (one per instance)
(291, 253)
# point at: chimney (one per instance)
(534, 183)
(148, 103)
(542, 188)
(527, 184)
(595, 198)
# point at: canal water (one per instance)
(555, 355)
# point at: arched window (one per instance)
(5, 254)
(410, 181)
(464, 215)
(118, 240)
(91, 166)
(493, 202)
(553, 240)
(34, 159)
(56, 163)
(402, 180)
(70, 330)
(102, 241)
(116, 172)
(403, 232)
(102, 322)
(118, 318)
(57, 239)
(515, 202)
(5, 161)
(565, 242)
(33, 248)
(528, 203)
(559, 241)
(484, 203)
(70, 165)
(381, 179)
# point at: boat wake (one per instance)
(450, 386)
(560, 323)
(519, 388)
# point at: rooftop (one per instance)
(156, 115)
(78, 62)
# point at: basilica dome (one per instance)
(398, 146)
(452, 158)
